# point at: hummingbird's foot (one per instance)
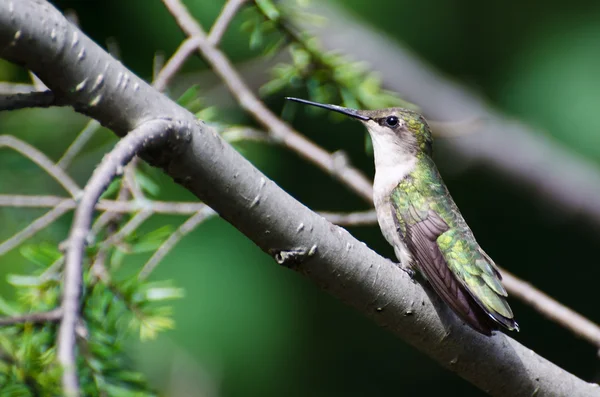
(408, 269)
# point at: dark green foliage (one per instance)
(114, 309)
(329, 77)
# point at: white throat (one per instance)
(393, 162)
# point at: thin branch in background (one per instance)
(52, 271)
(183, 52)
(158, 207)
(131, 181)
(552, 309)
(44, 317)
(34, 227)
(237, 134)
(75, 147)
(123, 152)
(42, 161)
(364, 218)
(158, 62)
(162, 251)
(17, 200)
(15, 88)
(220, 26)
(34, 99)
(308, 150)
(130, 226)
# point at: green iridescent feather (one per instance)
(431, 225)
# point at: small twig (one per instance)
(17, 200)
(187, 47)
(236, 134)
(552, 309)
(34, 227)
(452, 129)
(52, 271)
(158, 62)
(131, 181)
(222, 23)
(158, 207)
(173, 239)
(123, 152)
(350, 176)
(84, 136)
(130, 226)
(99, 269)
(34, 99)
(43, 317)
(42, 161)
(364, 218)
(16, 88)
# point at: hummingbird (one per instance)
(418, 217)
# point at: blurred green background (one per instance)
(247, 327)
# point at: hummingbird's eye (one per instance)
(392, 121)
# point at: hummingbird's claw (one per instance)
(408, 269)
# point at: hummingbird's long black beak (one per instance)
(348, 112)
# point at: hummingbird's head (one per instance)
(394, 131)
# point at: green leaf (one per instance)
(151, 241)
(268, 9)
(15, 391)
(7, 309)
(112, 189)
(256, 38)
(189, 95)
(146, 183)
(152, 325)
(300, 57)
(157, 294)
(207, 114)
(43, 254)
(19, 280)
(116, 258)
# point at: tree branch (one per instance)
(300, 239)
(75, 147)
(35, 99)
(124, 151)
(362, 218)
(220, 26)
(45, 317)
(552, 309)
(175, 63)
(34, 227)
(162, 251)
(15, 88)
(42, 161)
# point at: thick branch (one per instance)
(82, 222)
(281, 226)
